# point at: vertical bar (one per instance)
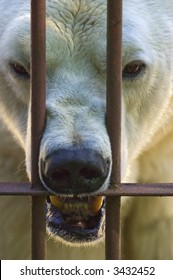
(38, 112)
(113, 246)
(38, 227)
(114, 81)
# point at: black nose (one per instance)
(74, 171)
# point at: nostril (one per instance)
(60, 175)
(89, 174)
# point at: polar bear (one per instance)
(75, 154)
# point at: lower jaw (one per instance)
(73, 235)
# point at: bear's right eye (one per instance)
(20, 70)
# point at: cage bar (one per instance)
(113, 118)
(38, 113)
(129, 189)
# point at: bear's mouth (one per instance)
(76, 219)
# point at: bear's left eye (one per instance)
(133, 69)
(20, 70)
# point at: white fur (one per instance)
(76, 63)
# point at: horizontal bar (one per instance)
(132, 189)
(9, 188)
(141, 190)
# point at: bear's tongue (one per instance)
(78, 212)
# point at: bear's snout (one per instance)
(74, 171)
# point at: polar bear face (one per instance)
(75, 154)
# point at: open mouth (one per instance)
(76, 219)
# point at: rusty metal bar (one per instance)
(113, 250)
(38, 227)
(38, 113)
(137, 189)
(114, 81)
(113, 118)
(132, 189)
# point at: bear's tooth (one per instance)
(91, 208)
(56, 202)
(96, 204)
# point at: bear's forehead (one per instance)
(72, 8)
(72, 14)
(83, 17)
(79, 27)
(84, 22)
